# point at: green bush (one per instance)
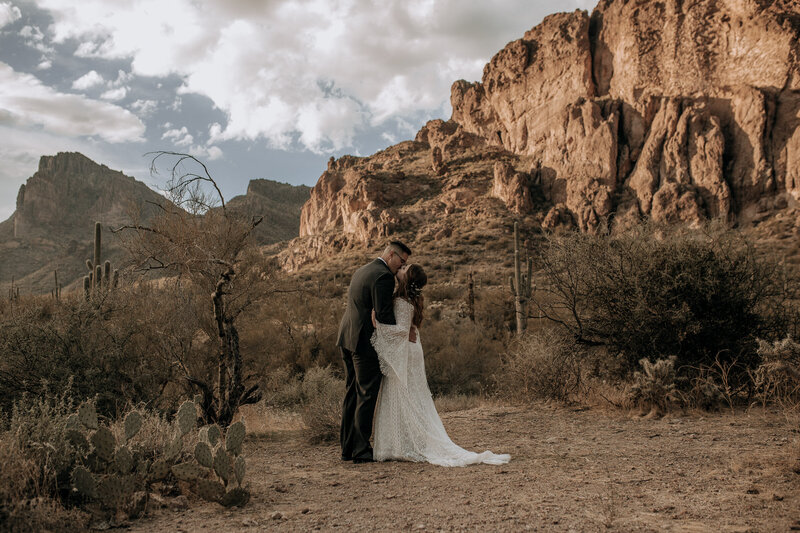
(704, 296)
(120, 349)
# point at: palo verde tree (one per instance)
(195, 237)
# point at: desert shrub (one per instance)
(283, 388)
(297, 329)
(704, 391)
(323, 393)
(494, 312)
(459, 357)
(703, 296)
(544, 364)
(444, 291)
(120, 348)
(777, 378)
(654, 387)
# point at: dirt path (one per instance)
(570, 471)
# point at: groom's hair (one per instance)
(398, 247)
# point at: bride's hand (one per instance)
(412, 335)
(374, 322)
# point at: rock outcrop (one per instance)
(279, 204)
(69, 192)
(674, 110)
(670, 109)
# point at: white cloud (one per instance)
(9, 13)
(312, 70)
(44, 64)
(25, 102)
(32, 33)
(179, 137)
(87, 81)
(144, 108)
(115, 94)
(209, 153)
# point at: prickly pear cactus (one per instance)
(133, 423)
(202, 453)
(235, 437)
(114, 492)
(87, 415)
(159, 470)
(123, 460)
(238, 469)
(104, 443)
(237, 497)
(187, 417)
(214, 434)
(222, 464)
(188, 471)
(210, 490)
(77, 439)
(84, 482)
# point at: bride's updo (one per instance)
(411, 290)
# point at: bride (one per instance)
(407, 426)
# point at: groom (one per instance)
(371, 288)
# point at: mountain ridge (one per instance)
(53, 225)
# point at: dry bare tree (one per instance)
(197, 238)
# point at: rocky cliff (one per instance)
(52, 226)
(677, 110)
(674, 110)
(279, 204)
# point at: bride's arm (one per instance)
(390, 342)
(413, 333)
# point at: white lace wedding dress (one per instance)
(407, 426)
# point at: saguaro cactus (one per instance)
(56, 292)
(100, 275)
(521, 283)
(471, 298)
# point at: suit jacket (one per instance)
(371, 288)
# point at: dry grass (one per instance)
(322, 404)
(544, 364)
(458, 402)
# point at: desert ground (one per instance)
(571, 470)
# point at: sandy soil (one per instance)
(571, 470)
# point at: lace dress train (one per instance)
(407, 426)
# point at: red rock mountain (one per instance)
(676, 110)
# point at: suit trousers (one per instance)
(362, 385)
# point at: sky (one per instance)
(253, 88)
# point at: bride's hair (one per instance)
(411, 290)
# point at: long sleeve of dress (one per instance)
(391, 342)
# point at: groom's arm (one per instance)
(382, 299)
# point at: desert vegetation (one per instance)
(653, 320)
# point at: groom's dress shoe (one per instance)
(346, 458)
(361, 460)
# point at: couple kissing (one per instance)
(385, 383)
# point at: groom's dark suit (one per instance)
(370, 288)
